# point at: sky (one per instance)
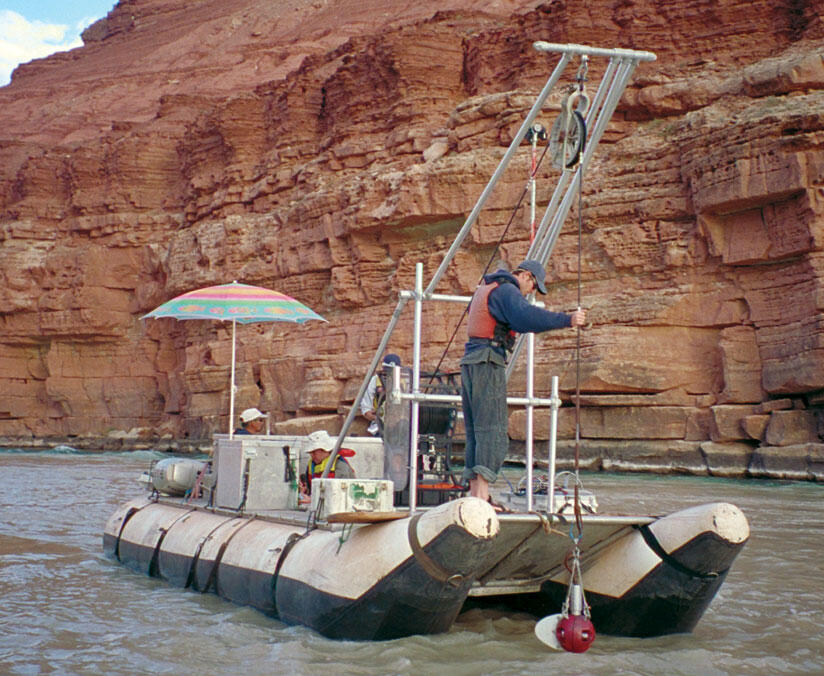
(32, 29)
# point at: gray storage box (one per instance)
(257, 473)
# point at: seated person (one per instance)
(371, 404)
(251, 421)
(320, 445)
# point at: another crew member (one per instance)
(251, 421)
(498, 309)
(320, 446)
(371, 404)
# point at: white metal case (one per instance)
(339, 496)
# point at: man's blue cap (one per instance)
(392, 359)
(537, 271)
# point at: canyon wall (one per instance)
(324, 148)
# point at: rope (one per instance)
(194, 492)
(345, 532)
(577, 499)
(579, 524)
(575, 602)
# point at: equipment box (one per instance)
(256, 473)
(337, 496)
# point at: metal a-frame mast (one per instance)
(620, 67)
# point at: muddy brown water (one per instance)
(67, 609)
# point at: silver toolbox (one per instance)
(255, 473)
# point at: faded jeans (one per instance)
(483, 396)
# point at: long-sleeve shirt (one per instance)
(509, 307)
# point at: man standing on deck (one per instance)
(498, 310)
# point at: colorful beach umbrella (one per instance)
(236, 303)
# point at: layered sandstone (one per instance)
(323, 149)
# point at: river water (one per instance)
(67, 609)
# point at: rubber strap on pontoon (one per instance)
(655, 546)
(156, 553)
(213, 573)
(190, 577)
(132, 511)
(291, 541)
(430, 566)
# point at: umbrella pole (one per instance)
(232, 386)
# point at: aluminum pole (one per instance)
(456, 399)
(613, 96)
(570, 48)
(553, 434)
(513, 148)
(546, 239)
(372, 367)
(530, 390)
(416, 390)
(232, 388)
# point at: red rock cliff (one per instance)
(323, 149)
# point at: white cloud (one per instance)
(22, 40)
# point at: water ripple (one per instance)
(68, 610)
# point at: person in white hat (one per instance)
(251, 421)
(319, 446)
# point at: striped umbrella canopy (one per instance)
(236, 303)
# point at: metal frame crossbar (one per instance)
(621, 65)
